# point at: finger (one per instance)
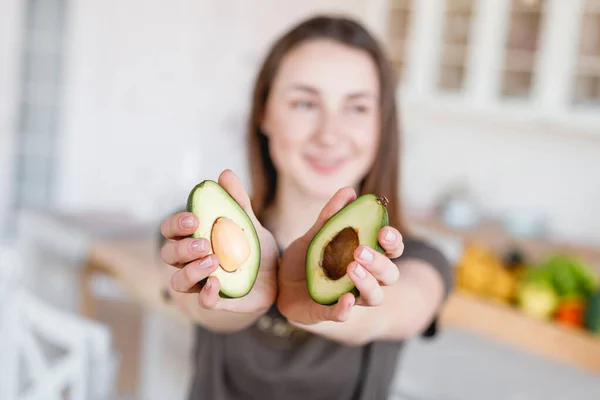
(209, 296)
(340, 199)
(179, 225)
(371, 293)
(377, 264)
(232, 184)
(180, 252)
(391, 241)
(185, 279)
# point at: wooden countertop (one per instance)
(134, 264)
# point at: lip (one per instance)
(324, 168)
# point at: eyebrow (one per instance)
(313, 90)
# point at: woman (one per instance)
(323, 130)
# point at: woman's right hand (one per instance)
(194, 260)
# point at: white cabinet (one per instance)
(532, 59)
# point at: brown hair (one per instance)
(382, 179)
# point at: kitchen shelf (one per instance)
(520, 61)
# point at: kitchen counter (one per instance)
(134, 265)
(128, 253)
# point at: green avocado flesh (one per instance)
(332, 248)
(209, 201)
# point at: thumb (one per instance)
(340, 199)
(232, 184)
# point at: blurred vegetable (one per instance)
(571, 311)
(592, 314)
(570, 276)
(536, 295)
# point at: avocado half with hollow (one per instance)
(332, 248)
(232, 235)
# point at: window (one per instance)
(39, 107)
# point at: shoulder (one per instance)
(422, 250)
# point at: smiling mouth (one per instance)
(325, 166)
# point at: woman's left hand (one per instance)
(370, 271)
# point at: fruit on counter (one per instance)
(592, 314)
(536, 295)
(480, 271)
(232, 235)
(472, 271)
(332, 248)
(571, 311)
(502, 285)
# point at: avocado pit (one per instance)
(339, 252)
(230, 244)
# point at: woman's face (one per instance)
(322, 117)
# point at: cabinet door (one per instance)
(455, 44)
(586, 90)
(400, 13)
(521, 48)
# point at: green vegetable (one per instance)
(592, 314)
(570, 276)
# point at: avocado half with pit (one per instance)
(232, 235)
(332, 248)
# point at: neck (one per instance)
(291, 214)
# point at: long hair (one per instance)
(383, 177)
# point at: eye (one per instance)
(359, 109)
(304, 104)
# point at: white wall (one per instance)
(10, 36)
(161, 93)
(508, 166)
(153, 90)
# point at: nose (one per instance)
(328, 130)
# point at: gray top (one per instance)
(273, 360)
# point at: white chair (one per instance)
(82, 364)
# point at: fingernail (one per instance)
(207, 286)
(205, 262)
(198, 245)
(187, 222)
(366, 255)
(360, 271)
(390, 236)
